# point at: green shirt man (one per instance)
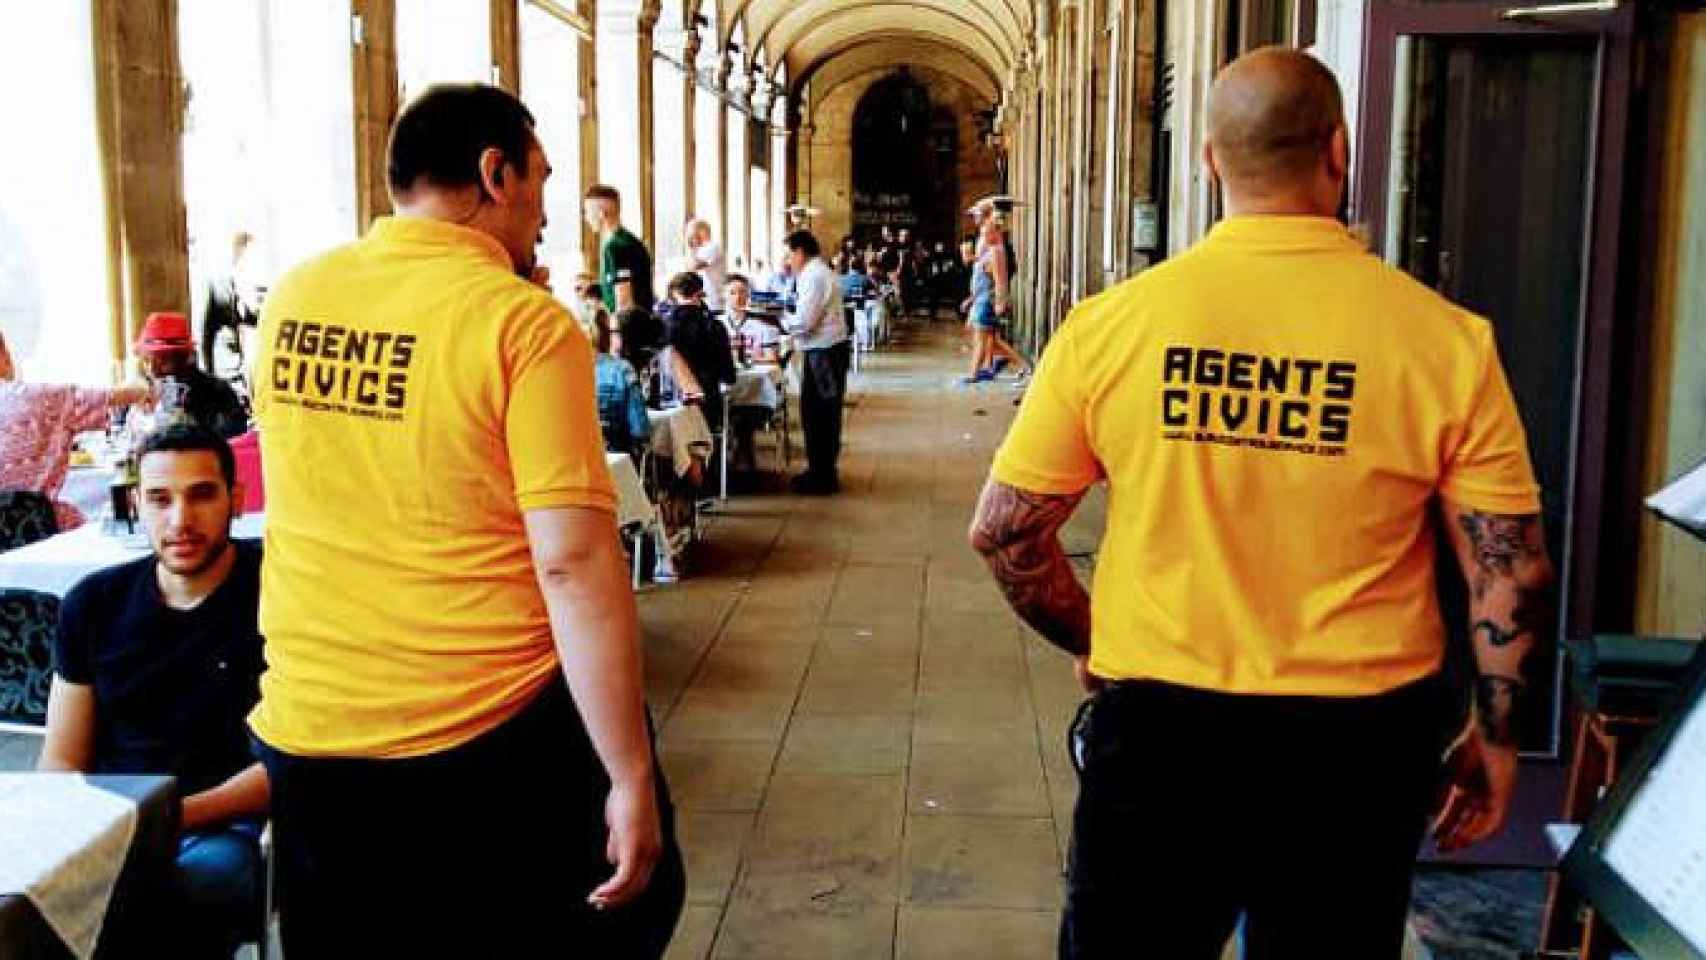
(623, 259)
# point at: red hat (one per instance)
(164, 333)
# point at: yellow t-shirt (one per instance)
(1275, 412)
(414, 398)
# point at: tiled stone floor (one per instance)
(864, 744)
(853, 724)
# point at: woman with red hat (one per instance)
(38, 422)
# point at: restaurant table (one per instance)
(762, 386)
(632, 504)
(634, 509)
(759, 385)
(132, 912)
(56, 564)
(681, 434)
(86, 488)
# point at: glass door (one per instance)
(1492, 171)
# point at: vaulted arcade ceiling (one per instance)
(980, 42)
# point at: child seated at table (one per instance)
(756, 339)
(157, 664)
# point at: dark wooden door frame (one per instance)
(1389, 19)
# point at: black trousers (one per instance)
(823, 388)
(488, 849)
(1301, 814)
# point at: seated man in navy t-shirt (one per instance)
(156, 666)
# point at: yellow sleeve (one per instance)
(1489, 469)
(556, 449)
(1047, 449)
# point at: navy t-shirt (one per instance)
(173, 688)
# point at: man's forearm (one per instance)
(597, 632)
(247, 794)
(624, 296)
(1510, 584)
(1018, 534)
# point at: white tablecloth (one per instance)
(632, 504)
(56, 564)
(86, 488)
(759, 385)
(681, 434)
(63, 842)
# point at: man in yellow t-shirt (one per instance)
(1276, 414)
(441, 554)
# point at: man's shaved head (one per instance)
(1272, 114)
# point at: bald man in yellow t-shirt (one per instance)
(1280, 417)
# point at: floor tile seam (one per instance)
(743, 870)
(730, 606)
(729, 892)
(1043, 746)
(911, 756)
(1013, 817)
(1039, 911)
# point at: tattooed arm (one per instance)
(1504, 560)
(1018, 534)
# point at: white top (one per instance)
(715, 273)
(817, 322)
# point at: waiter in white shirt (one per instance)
(820, 334)
(709, 262)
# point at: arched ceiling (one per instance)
(870, 55)
(804, 34)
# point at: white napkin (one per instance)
(63, 842)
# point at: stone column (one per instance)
(374, 60)
(139, 101)
(646, 118)
(689, 117)
(506, 44)
(781, 171)
(721, 180)
(588, 82)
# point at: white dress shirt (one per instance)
(817, 322)
(715, 273)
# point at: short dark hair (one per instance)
(687, 283)
(440, 135)
(803, 241)
(185, 437)
(601, 191)
(739, 278)
(601, 331)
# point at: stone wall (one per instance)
(826, 178)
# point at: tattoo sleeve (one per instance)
(1018, 534)
(1510, 604)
